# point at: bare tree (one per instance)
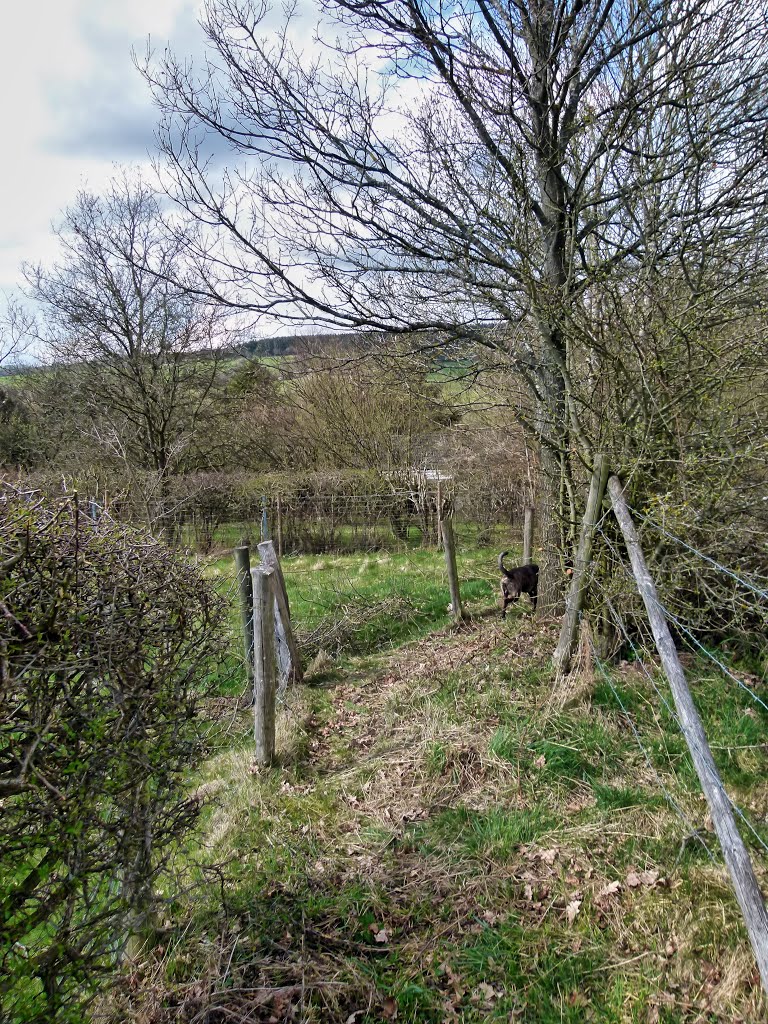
(16, 327)
(501, 171)
(140, 352)
(352, 409)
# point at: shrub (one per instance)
(105, 641)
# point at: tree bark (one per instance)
(568, 633)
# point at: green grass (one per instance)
(436, 844)
(494, 834)
(357, 604)
(735, 722)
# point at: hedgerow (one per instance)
(107, 640)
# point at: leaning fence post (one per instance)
(528, 536)
(287, 651)
(573, 602)
(279, 516)
(449, 546)
(243, 575)
(736, 856)
(263, 665)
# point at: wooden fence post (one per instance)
(574, 600)
(287, 651)
(264, 665)
(449, 546)
(264, 519)
(439, 513)
(243, 574)
(528, 536)
(736, 856)
(279, 512)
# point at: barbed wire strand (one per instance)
(714, 776)
(733, 597)
(678, 622)
(712, 657)
(692, 830)
(689, 547)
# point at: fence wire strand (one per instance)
(645, 654)
(694, 641)
(700, 554)
(692, 830)
(639, 660)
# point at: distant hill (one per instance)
(453, 352)
(294, 344)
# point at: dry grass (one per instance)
(446, 840)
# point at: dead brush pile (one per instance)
(338, 631)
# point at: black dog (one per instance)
(523, 580)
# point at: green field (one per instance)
(354, 604)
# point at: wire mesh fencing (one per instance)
(339, 516)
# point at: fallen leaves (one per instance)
(485, 995)
(609, 890)
(647, 879)
(389, 1009)
(492, 918)
(572, 910)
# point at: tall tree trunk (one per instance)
(551, 600)
(552, 427)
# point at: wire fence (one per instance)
(345, 604)
(351, 604)
(343, 521)
(725, 691)
(351, 600)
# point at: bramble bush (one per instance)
(109, 644)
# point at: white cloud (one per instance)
(73, 106)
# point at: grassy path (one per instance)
(447, 839)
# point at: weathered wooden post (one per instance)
(243, 576)
(449, 546)
(287, 651)
(736, 856)
(528, 536)
(263, 665)
(264, 519)
(439, 513)
(279, 513)
(573, 602)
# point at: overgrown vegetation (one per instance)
(345, 605)
(576, 189)
(443, 841)
(109, 644)
(548, 222)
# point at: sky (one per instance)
(74, 107)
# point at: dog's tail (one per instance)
(501, 561)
